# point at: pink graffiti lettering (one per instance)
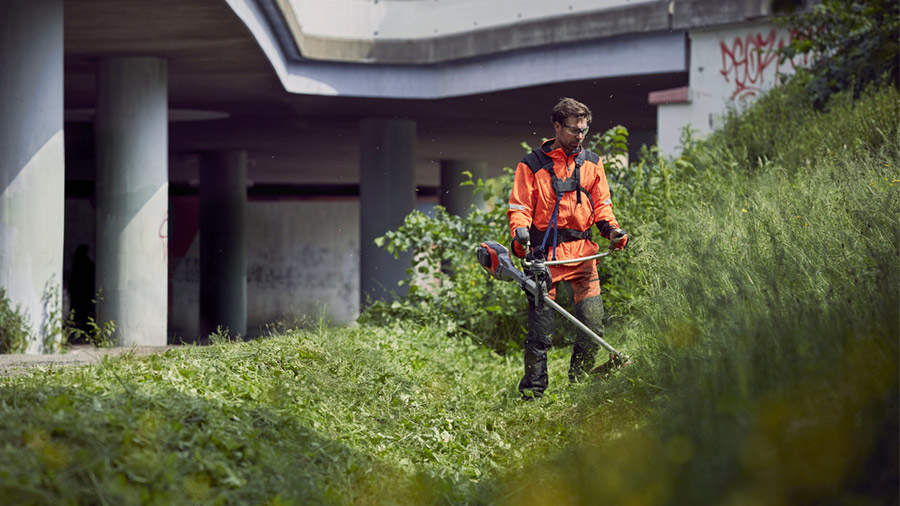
(745, 62)
(164, 235)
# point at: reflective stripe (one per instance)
(607, 202)
(517, 207)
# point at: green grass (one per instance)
(765, 337)
(365, 415)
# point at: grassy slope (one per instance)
(766, 369)
(329, 415)
(770, 329)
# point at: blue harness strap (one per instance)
(537, 160)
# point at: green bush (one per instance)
(14, 331)
(852, 44)
(448, 287)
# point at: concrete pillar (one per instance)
(32, 170)
(455, 198)
(131, 130)
(223, 250)
(387, 193)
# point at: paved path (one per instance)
(14, 363)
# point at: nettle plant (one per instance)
(447, 285)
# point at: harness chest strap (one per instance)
(538, 160)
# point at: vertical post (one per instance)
(32, 170)
(387, 193)
(131, 130)
(223, 249)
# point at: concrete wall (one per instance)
(729, 67)
(302, 262)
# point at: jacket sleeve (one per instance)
(603, 213)
(522, 199)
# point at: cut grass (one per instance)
(330, 415)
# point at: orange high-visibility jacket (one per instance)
(533, 199)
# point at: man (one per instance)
(559, 192)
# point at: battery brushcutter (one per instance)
(495, 259)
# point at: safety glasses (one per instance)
(575, 130)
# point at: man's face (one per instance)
(571, 133)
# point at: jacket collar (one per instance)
(558, 154)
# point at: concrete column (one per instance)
(131, 130)
(32, 170)
(455, 198)
(223, 250)
(387, 193)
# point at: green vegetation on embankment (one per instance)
(761, 309)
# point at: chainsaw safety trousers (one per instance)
(538, 339)
(537, 343)
(584, 352)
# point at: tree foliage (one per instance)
(853, 44)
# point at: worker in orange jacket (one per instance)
(559, 193)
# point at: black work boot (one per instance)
(584, 352)
(537, 343)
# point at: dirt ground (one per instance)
(16, 363)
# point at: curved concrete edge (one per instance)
(646, 53)
(508, 25)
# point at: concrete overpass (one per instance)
(229, 161)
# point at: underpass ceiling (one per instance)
(215, 64)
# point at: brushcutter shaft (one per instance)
(576, 260)
(584, 328)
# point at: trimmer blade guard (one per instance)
(615, 362)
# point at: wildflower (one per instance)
(743, 209)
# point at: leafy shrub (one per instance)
(13, 326)
(854, 43)
(93, 333)
(448, 287)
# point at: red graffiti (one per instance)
(746, 61)
(164, 235)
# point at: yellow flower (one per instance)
(743, 210)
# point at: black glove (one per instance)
(618, 238)
(523, 236)
(519, 245)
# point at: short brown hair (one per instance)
(570, 108)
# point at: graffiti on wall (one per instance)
(312, 271)
(751, 63)
(163, 234)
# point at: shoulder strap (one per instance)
(537, 160)
(590, 156)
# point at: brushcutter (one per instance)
(494, 258)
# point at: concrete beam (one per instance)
(597, 58)
(352, 31)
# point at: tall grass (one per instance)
(769, 331)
